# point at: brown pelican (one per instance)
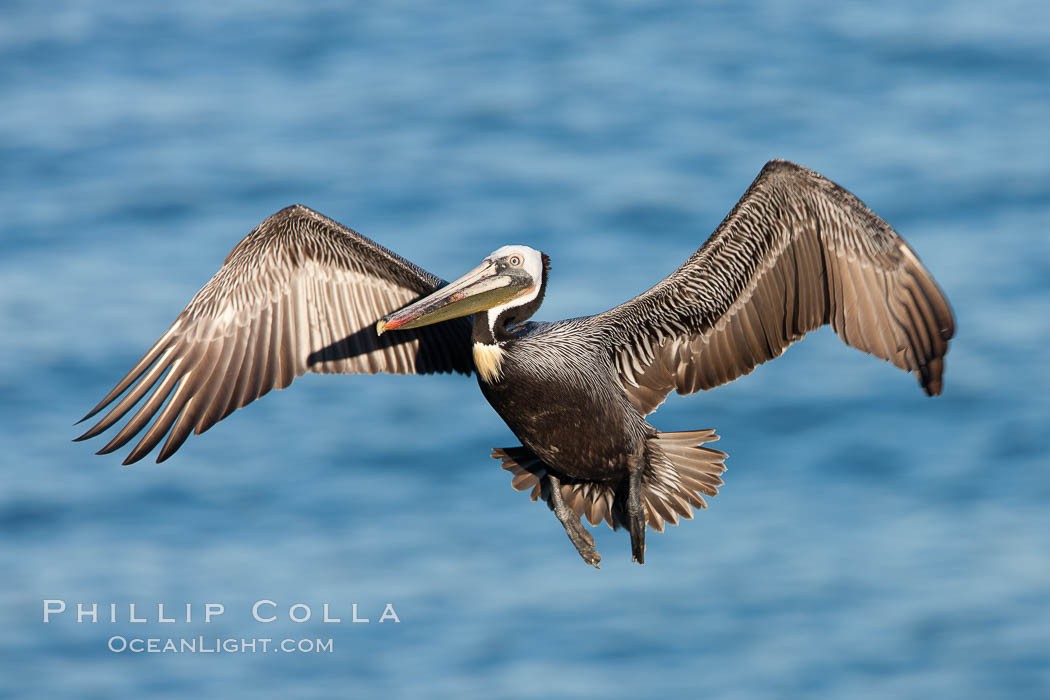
(304, 293)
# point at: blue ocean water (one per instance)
(869, 542)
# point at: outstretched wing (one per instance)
(300, 293)
(796, 252)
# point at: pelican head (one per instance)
(509, 277)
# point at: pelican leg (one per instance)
(581, 538)
(635, 510)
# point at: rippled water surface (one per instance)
(868, 542)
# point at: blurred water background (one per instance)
(869, 542)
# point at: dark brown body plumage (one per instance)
(555, 403)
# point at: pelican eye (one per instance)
(514, 260)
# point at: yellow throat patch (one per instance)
(489, 361)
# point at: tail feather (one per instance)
(680, 470)
(589, 499)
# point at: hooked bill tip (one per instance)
(388, 324)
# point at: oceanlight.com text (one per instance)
(218, 645)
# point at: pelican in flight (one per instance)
(302, 293)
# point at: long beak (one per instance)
(482, 288)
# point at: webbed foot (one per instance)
(578, 534)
